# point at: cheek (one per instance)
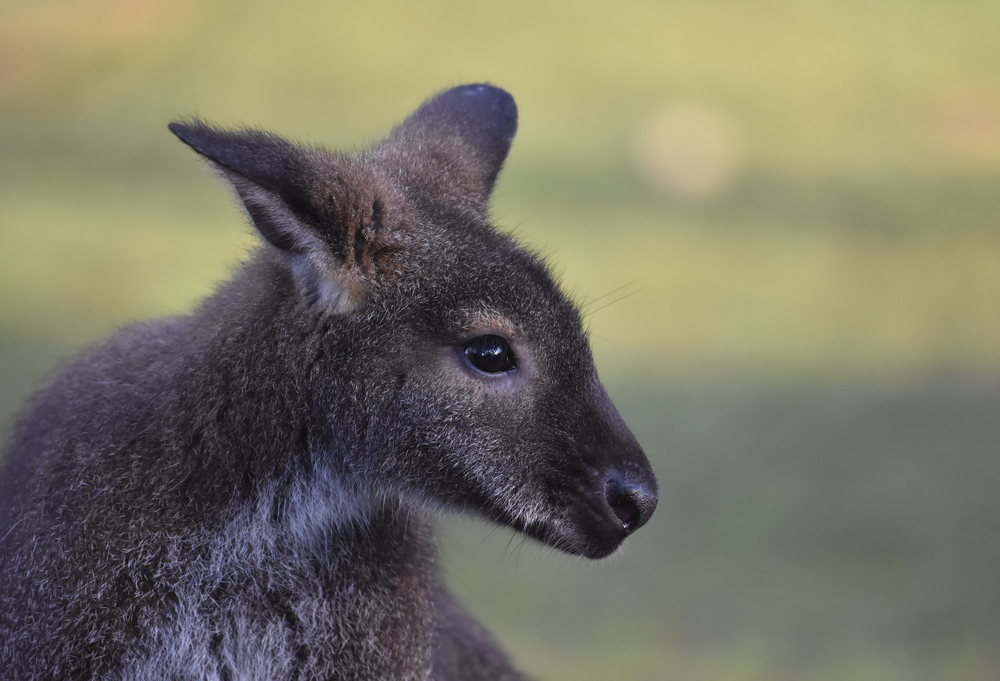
(459, 418)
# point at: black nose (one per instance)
(631, 502)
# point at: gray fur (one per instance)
(243, 492)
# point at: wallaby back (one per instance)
(242, 493)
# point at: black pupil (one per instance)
(489, 354)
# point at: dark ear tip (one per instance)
(483, 113)
(484, 92)
(189, 132)
(488, 101)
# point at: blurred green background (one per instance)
(783, 218)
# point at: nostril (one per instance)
(624, 507)
(631, 503)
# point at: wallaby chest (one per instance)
(263, 599)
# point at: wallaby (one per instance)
(245, 492)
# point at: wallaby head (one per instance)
(445, 366)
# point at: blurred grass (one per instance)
(816, 342)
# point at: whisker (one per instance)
(505, 554)
(627, 386)
(585, 305)
(632, 293)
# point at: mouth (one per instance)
(595, 525)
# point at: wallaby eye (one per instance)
(489, 354)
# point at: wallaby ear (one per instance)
(455, 144)
(268, 174)
(335, 218)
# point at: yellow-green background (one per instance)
(810, 354)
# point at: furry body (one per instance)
(241, 493)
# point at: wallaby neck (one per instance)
(248, 408)
(232, 506)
